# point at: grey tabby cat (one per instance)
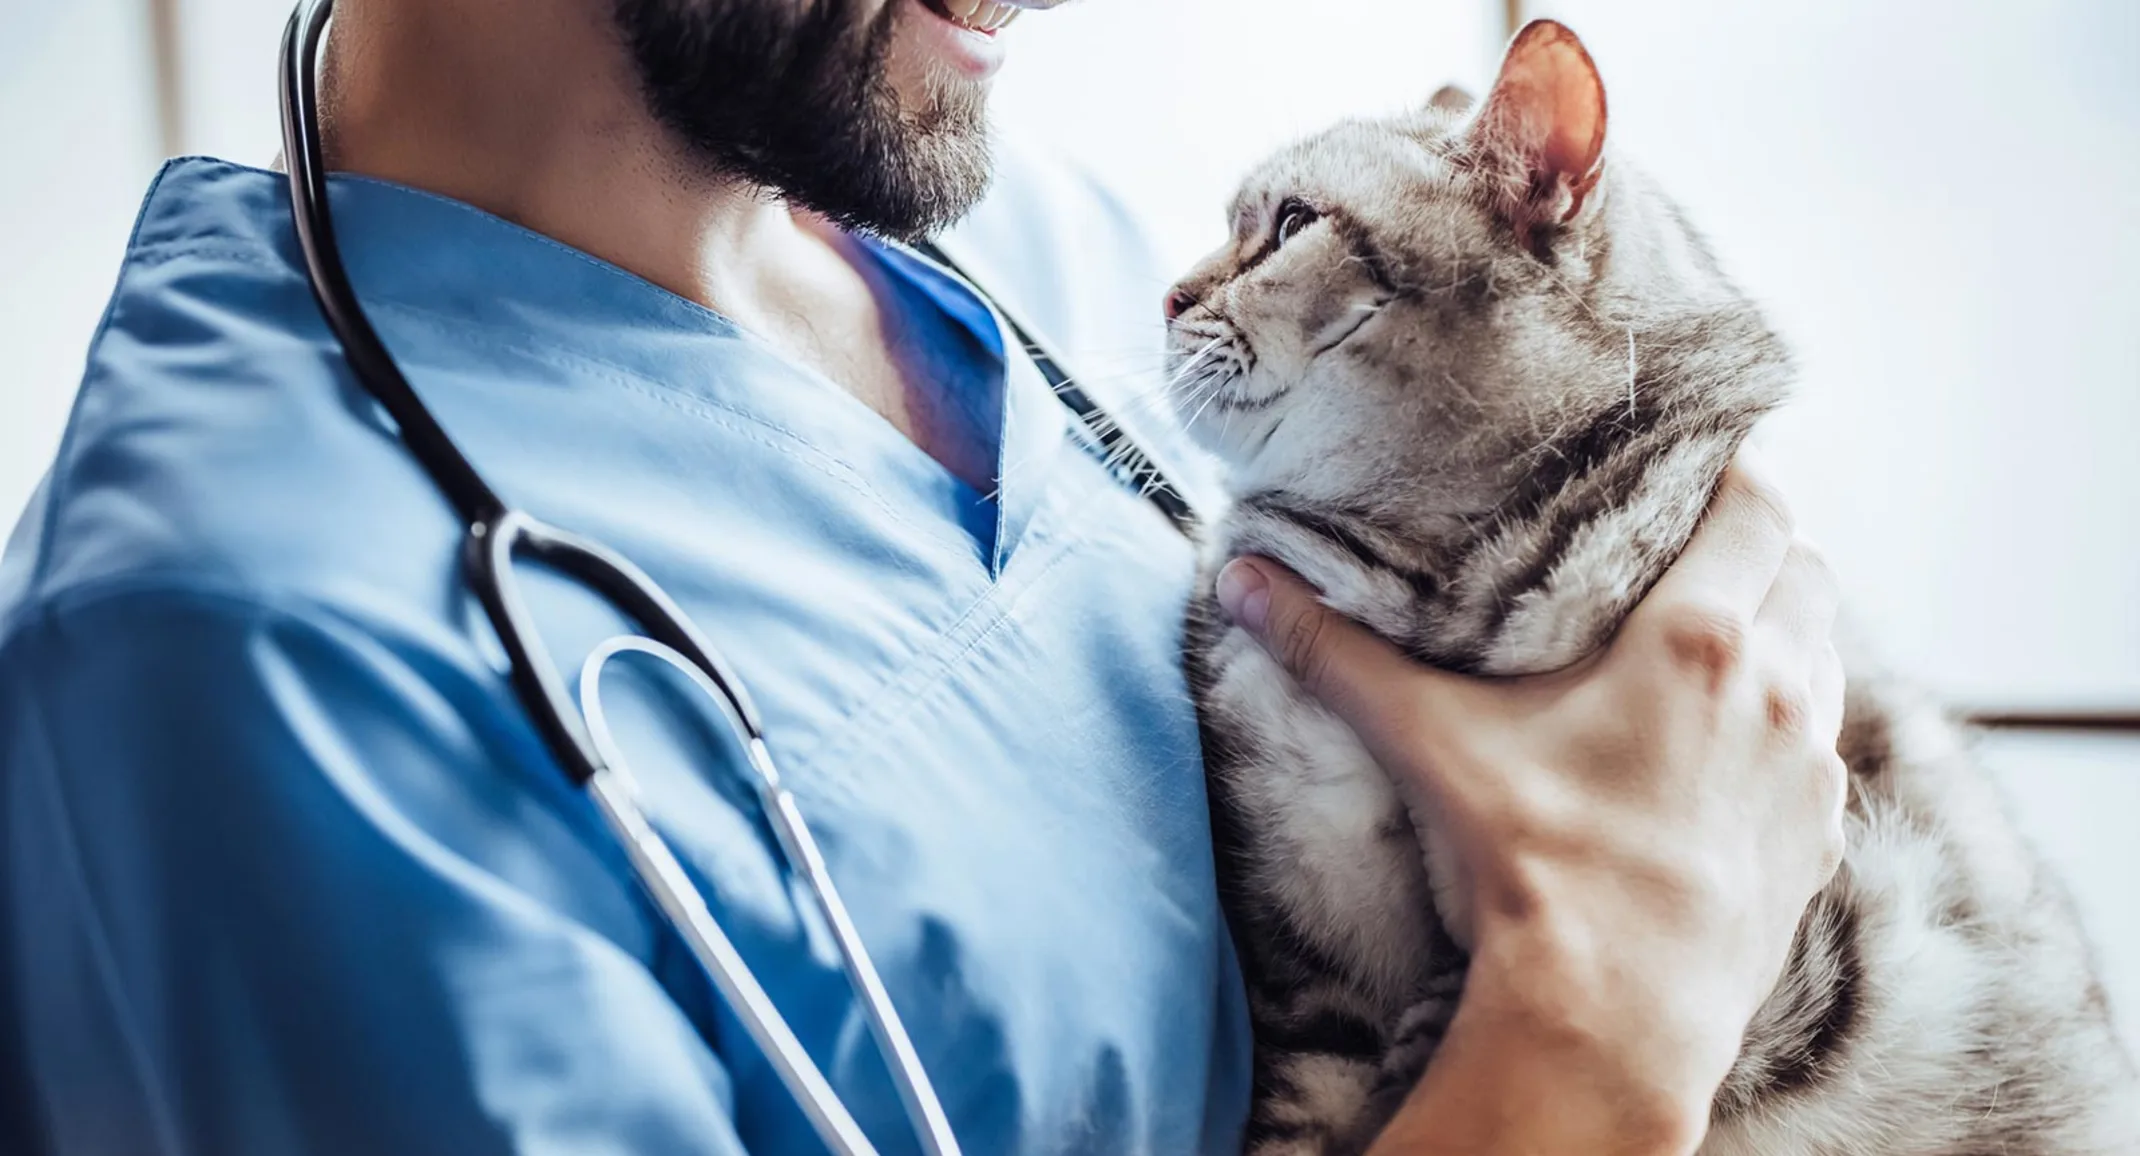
(1478, 384)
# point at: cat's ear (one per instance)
(1543, 125)
(1450, 98)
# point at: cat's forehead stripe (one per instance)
(1360, 164)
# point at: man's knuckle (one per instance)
(1706, 641)
(1790, 711)
(1695, 884)
(1303, 648)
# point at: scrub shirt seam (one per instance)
(54, 502)
(930, 668)
(926, 665)
(725, 415)
(673, 300)
(91, 917)
(670, 297)
(164, 252)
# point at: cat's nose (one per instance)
(1178, 302)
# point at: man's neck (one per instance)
(530, 109)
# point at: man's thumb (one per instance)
(1337, 661)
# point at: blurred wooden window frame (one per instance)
(167, 47)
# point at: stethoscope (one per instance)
(498, 535)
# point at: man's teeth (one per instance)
(980, 15)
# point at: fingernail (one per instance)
(1245, 594)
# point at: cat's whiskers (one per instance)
(1630, 373)
(1217, 385)
(1105, 422)
(1206, 385)
(1226, 416)
(1111, 420)
(1193, 360)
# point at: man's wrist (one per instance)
(1532, 1065)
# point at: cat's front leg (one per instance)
(1326, 1083)
(1417, 1037)
(1321, 1039)
(1310, 1103)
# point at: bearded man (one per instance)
(288, 869)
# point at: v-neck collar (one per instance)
(411, 251)
(1034, 424)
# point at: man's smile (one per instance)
(985, 16)
(963, 32)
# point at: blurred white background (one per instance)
(1933, 197)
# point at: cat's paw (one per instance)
(1418, 1034)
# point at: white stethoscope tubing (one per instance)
(615, 793)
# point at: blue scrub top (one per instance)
(284, 868)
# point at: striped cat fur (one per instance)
(1477, 382)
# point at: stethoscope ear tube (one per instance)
(304, 158)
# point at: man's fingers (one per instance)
(1341, 664)
(1800, 612)
(1735, 553)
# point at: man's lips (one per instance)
(985, 16)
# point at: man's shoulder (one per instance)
(211, 445)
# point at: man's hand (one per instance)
(1637, 836)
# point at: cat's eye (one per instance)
(1293, 216)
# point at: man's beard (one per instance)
(793, 96)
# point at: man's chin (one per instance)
(909, 174)
(917, 194)
(863, 128)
